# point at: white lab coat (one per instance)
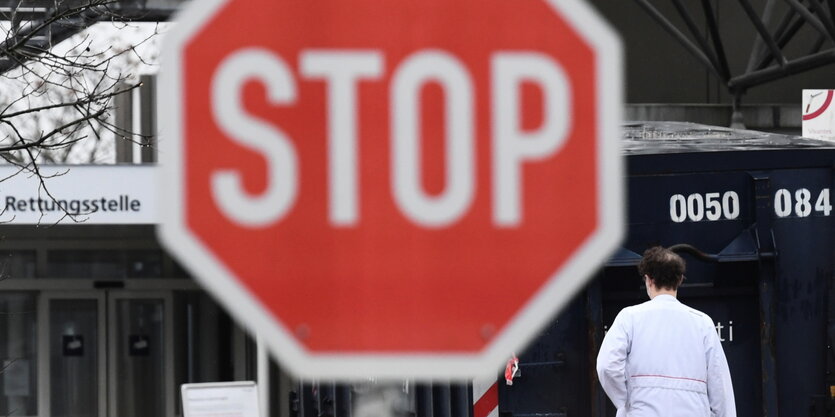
(662, 358)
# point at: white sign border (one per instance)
(248, 311)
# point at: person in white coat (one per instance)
(661, 357)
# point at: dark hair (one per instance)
(664, 267)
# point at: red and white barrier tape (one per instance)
(486, 390)
(486, 397)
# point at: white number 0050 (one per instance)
(711, 206)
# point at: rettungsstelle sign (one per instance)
(78, 194)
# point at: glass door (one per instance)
(107, 354)
(141, 354)
(73, 359)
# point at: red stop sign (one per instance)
(391, 188)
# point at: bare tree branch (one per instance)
(86, 100)
(56, 104)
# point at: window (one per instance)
(18, 379)
(111, 264)
(16, 264)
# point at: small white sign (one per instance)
(78, 194)
(220, 399)
(818, 114)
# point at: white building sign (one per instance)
(818, 114)
(78, 194)
(220, 399)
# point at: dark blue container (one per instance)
(759, 207)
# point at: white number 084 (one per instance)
(801, 204)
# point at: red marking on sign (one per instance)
(822, 108)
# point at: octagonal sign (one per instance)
(407, 188)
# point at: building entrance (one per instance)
(107, 353)
(98, 321)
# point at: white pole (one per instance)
(263, 376)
